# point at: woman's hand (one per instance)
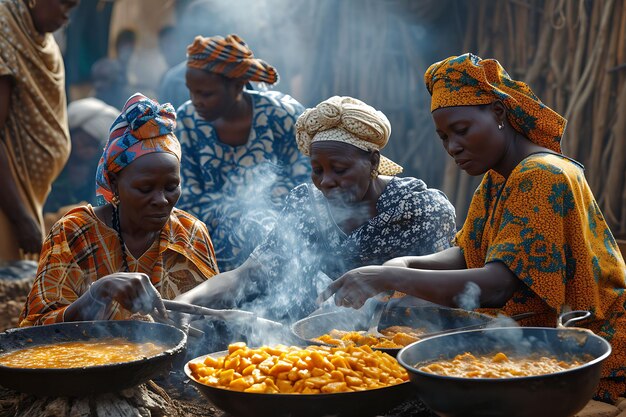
(356, 286)
(133, 291)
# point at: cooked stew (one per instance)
(80, 354)
(395, 337)
(499, 365)
(293, 370)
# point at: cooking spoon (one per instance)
(226, 315)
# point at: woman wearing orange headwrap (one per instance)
(534, 239)
(123, 256)
(240, 157)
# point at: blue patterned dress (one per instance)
(306, 248)
(238, 190)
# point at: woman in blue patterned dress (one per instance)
(351, 216)
(240, 157)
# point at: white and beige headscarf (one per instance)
(348, 120)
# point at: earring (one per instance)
(501, 126)
(31, 4)
(115, 200)
(374, 174)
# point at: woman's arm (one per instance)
(447, 259)
(223, 290)
(495, 281)
(25, 227)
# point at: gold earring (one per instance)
(374, 174)
(115, 200)
(31, 4)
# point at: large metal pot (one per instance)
(93, 379)
(431, 318)
(559, 394)
(345, 404)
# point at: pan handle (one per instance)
(567, 319)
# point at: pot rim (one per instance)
(411, 369)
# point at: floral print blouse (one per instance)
(306, 247)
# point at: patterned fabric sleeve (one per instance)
(435, 217)
(531, 238)
(547, 228)
(59, 280)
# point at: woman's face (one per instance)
(50, 15)
(471, 136)
(213, 95)
(148, 189)
(342, 172)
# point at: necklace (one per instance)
(116, 225)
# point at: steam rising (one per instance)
(469, 299)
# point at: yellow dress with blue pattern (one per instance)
(544, 224)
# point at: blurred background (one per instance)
(571, 52)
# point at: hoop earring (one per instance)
(501, 126)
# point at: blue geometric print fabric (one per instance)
(238, 190)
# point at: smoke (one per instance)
(469, 299)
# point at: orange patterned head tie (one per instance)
(468, 80)
(229, 57)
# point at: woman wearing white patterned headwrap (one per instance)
(357, 212)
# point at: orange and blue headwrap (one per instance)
(229, 57)
(468, 80)
(143, 127)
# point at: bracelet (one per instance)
(95, 300)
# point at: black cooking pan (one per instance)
(344, 404)
(431, 318)
(93, 379)
(559, 394)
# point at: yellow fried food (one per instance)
(293, 370)
(499, 365)
(395, 337)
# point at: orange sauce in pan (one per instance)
(499, 365)
(80, 354)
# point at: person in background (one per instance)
(240, 157)
(168, 46)
(109, 81)
(356, 212)
(34, 137)
(125, 45)
(89, 122)
(124, 256)
(534, 238)
(193, 20)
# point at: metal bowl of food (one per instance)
(408, 323)
(560, 393)
(362, 403)
(166, 343)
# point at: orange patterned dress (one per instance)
(81, 249)
(544, 224)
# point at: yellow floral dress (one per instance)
(544, 224)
